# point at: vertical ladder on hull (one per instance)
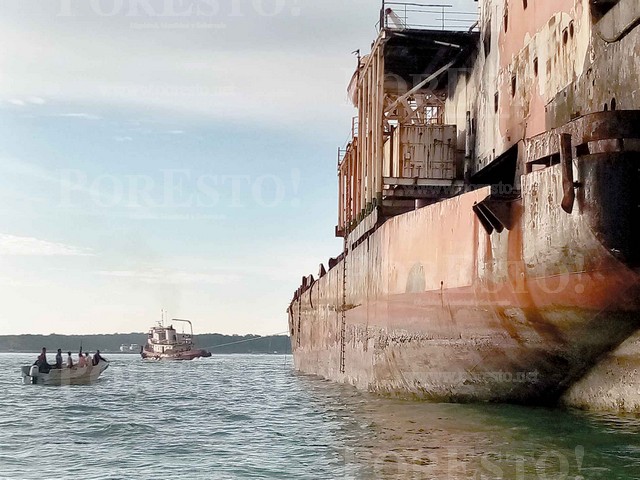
(345, 251)
(343, 322)
(299, 318)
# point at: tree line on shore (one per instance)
(215, 343)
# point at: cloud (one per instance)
(123, 139)
(86, 116)
(158, 276)
(176, 132)
(223, 75)
(19, 102)
(263, 68)
(12, 281)
(12, 245)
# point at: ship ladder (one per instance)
(345, 251)
(343, 322)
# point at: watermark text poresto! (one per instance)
(178, 188)
(179, 9)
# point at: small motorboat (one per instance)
(64, 376)
(164, 343)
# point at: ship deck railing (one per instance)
(399, 15)
(348, 144)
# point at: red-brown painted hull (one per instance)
(439, 309)
(189, 355)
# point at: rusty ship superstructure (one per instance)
(489, 206)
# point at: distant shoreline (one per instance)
(110, 343)
(131, 354)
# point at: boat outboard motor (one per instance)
(33, 373)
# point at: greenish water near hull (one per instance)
(237, 417)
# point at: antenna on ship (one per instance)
(357, 54)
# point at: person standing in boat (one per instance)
(41, 362)
(81, 360)
(59, 358)
(97, 358)
(69, 360)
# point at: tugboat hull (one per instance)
(189, 355)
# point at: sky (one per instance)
(170, 154)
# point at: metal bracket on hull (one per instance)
(566, 160)
(592, 133)
(614, 132)
(497, 212)
(620, 18)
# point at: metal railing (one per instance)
(342, 151)
(397, 15)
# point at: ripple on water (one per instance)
(238, 417)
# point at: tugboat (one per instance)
(164, 343)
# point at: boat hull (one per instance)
(64, 376)
(437, 308)
(477, 359)
(179, 356)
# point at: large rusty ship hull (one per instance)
(437, 309)
(490, 212)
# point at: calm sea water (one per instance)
(237, 417)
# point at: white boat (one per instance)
(131, 348)
(164, 343)
(63, 376)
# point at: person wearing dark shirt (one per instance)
(41, 362)
(59, 358)
(42, 358)
(97, 358)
